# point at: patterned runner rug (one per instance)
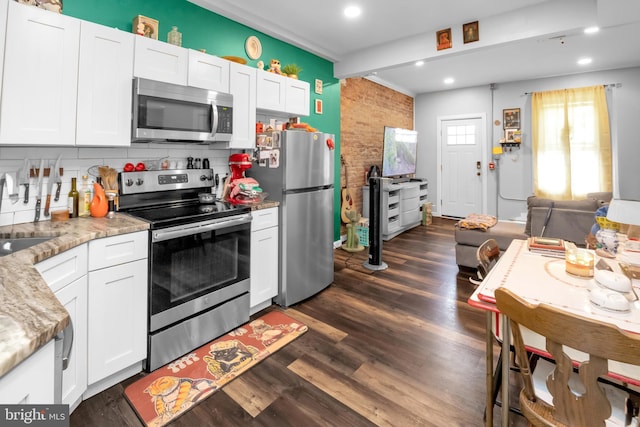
(170, 391)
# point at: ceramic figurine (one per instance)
(274, 67)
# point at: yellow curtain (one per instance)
(571, 143)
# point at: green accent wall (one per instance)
(202, 29)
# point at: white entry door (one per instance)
(461, 172)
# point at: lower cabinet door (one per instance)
(117, 334)
(32, 381)
(264, 265)
(74, 377)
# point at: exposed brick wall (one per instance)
(365, 109)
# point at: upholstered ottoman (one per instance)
(468, 240)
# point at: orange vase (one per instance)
(99, 205)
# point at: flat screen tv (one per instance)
(399, 152)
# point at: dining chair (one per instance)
(487, 255)
(600, 341)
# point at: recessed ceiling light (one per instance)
(591, 30)
(352, 11)
(584, 61)
(449, 80)
(419, 63)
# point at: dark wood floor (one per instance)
(399, 347)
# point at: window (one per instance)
(571, 143)
(461, 135)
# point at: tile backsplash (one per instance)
(77, 160)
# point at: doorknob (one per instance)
(478, 166)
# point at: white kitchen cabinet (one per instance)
(297, 97)
(4, 8)
(160, 61)
(264, 258)
(74, 377)
(282, 94)
(117, 304)
(104, 86)
(40, 79)
(271, 90)
(242, 85)
(32, 381)
(66, 275)
(208, 71)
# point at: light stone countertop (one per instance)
(30, 314)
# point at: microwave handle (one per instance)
(214, 119)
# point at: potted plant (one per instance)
(292, 70)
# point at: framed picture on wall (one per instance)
(443, 39)
(470, 32)
(318, 106)
(509, 135)
(511, 118)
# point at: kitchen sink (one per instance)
(9, 246)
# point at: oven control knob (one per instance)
(128, 182)
(205, 178)
(139, 181)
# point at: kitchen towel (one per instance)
(170, 391)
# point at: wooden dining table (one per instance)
(543, 279)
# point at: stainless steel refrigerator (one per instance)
(297, 171)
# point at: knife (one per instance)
(52, 177)
(23, 179)
(58, 179)
(13, 193)
(39, 190)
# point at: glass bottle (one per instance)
(73, 199)
(174, 37)
(84, 204)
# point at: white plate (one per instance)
(253, 47)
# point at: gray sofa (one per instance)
(570, 220)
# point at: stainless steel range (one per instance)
(198, 259)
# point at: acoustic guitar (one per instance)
(347, 198)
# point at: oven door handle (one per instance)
(188, 230)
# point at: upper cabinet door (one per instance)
(40, 77)
(4, 7)
(271, 91)
(243, 89)
(105, 82)
(156, 60)
(208, 71)
(297, 97)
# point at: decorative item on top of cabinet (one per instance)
(274, 66)
(174, 36)
(292, 70)
(52, 5)
(144, 26)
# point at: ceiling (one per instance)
(518, 39)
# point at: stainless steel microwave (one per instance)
(165, 112)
